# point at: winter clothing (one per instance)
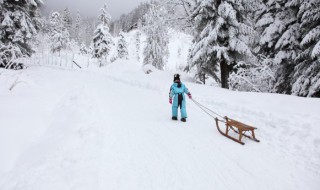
(174, 118)
(177, 91)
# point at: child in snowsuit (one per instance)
(177, 91)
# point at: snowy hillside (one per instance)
(179, 45)
(111, 129)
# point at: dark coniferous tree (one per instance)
(102, 39)
(59, 34)
(306, 77)
(221, 31)
(18, 25)
(122, 47)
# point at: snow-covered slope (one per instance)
(179, 44)
(111, 129)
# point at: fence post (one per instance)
(72, 60)
(88, 62)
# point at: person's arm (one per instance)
(171, 94)
(187, 92)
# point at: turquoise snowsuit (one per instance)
(175, 91)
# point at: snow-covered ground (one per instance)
(111, 128)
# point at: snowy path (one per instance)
(113, 131)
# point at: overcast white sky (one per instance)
(92, 7)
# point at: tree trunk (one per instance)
(224, 69)
(204, 78)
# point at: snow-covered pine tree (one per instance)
(139, 24)
(306, 77)
(179, 12)
(67, 19)
(59, 35)
(290, 33)
(122, 47)
(221, 30)
(18, 23)
(258, 77)
(102, 40)
(77, 28)
(105, 17)
(88, 30)
(138, 44)
(156, 50)
(83, 49)
(279, 26)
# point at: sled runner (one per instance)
(237, 127)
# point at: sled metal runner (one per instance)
(240, 128)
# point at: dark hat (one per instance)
(176, 77)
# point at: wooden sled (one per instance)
(237, 127)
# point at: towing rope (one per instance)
(208, 111)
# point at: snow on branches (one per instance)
(122, 47)
(156, 50)
(59, 34)
(102, 42)
(220, 31)
(18, 25)
(105, 17)
(102, 39)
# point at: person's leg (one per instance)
(175, 109)
(174, 112)
(183, 110)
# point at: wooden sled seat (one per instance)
(239, 128)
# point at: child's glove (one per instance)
(189, 95)
(170, 100)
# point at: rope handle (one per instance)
(207, 110)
